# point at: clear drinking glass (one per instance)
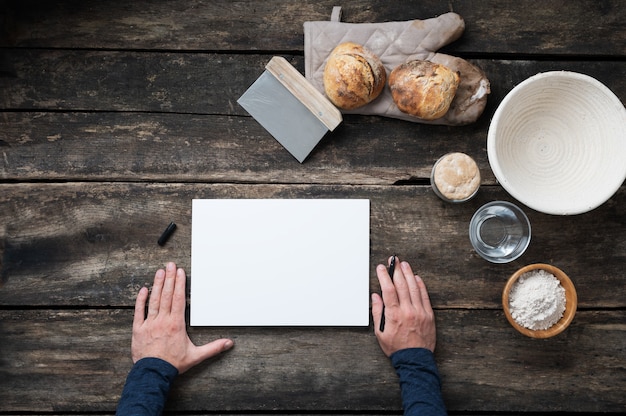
(499, 232)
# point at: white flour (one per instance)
(537, 300)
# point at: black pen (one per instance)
(166, 234)
(392, 268)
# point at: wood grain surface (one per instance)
(115, 115)
(77, 360)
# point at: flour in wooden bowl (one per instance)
(537, 300)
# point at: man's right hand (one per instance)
(409, 317)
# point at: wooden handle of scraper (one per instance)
(302, 89)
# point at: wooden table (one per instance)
(115, 115)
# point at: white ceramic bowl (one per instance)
(557, 143)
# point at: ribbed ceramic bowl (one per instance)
(571, 301)
(557, 143)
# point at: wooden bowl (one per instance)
(571, 301)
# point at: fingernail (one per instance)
(228, 344)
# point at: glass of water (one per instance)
(499, 232)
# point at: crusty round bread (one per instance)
(455, 177)
(353, 76)
(423, 89)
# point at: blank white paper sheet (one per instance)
(280, 262)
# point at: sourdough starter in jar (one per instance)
(455, 177)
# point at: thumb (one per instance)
(377, 309)
(214, 348)
(206, 351)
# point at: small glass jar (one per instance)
(455, 177)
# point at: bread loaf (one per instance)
(353, 76)
(423, 89)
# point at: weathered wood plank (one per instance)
(94, 244)
(581, 27)
(199, 83)
(186, 148)
(182, 147)
(519, 374)
(76, 361)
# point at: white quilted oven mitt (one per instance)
(396, 43)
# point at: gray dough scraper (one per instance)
(290, 108)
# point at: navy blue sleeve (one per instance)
(147, 386)
(419, 382)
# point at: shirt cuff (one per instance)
(159, 365)
(147, 386)
(413, 356)
(420, 384)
